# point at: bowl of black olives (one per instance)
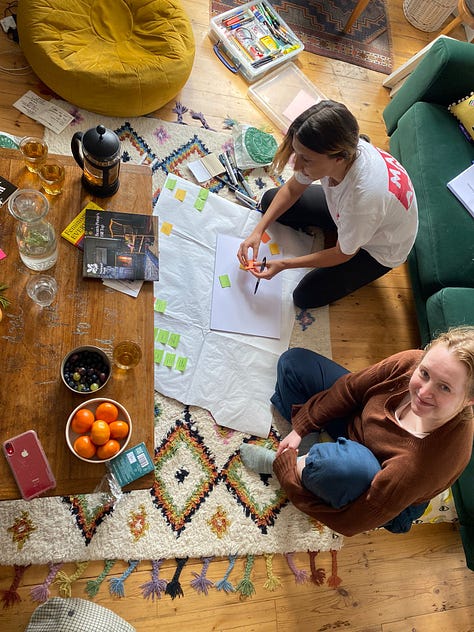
(86, 370)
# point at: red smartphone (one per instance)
(29, 464)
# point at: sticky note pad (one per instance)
(265, 237)
(166, 228)
(174, 340)
(158, 356)
(224, 280)
(160, 305)
(169, 359)
(274, 249)
(203, 193)
(181, 363)
(199, 204)
(163, 336)
(170, 183)
(180, 195)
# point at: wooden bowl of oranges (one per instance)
(98, 430)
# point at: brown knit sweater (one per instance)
(412, 471)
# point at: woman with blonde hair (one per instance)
(365, 195)
(403, 431)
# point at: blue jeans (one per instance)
(300, 375)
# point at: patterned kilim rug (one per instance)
(320, 25)
(204, 503)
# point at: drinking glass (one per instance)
(51, 174)
(126, 354)
(34, 151)
(42, 289)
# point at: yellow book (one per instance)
(74, 232)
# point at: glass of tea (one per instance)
(34, 151)
(51, 174)
(127, 354)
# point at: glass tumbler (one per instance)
(35, 236)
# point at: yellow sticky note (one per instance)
(180, 195)
(166, 228)
(274, 248)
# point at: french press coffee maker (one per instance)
(97, 152)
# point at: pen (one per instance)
(262, 268)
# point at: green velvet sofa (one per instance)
(426, 139)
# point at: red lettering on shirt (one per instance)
(398, 181)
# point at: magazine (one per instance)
(463, 188)
(120, 246)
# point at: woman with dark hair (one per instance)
(365, 195)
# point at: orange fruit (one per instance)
(107, 412)
(118, 429)
(84, 447)
(100, 432)
(82, 421)
(108, 450)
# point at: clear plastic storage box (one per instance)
(252, 39)
(284, 94)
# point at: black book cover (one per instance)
(121, 246)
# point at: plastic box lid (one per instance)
(284, 94)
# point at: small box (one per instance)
(253, 38)
(284, 94)
(131, 464)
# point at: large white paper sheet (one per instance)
(230, 374)
(238, 308)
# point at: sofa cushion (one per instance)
(450, 307)
(433, 151)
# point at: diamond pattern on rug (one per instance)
(89, 510)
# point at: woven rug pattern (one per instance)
(320, 25)
(203, 502)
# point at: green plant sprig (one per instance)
(4, 302)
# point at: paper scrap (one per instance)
(180, 195)
(51, 116)
(181, 364)
(132, 288)
(166, 228)
(299, 104)
(274, 249)
(163, 336)
(224, 280)
(169, 359)
(174, 340)
(158, 356)
(160, 305)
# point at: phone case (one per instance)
(29, 464)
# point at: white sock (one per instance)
(257, 458)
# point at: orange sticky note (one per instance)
(274, 248)
(265, 238)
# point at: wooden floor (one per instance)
(415, 582)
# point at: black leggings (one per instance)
(322, 286)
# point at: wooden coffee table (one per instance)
(85, 312)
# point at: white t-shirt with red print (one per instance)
(374, 207)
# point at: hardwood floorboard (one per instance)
(418, 581)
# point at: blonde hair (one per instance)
(460, 341)
(327, 127)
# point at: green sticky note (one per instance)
(174, 340)
(160, 305)
(163, 336)
(203, 193)
(224, 280)
(156, 331)
(158, 356)
(169, 359)
(181, 364)
(170, 183)
(199, 204)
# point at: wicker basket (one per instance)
(428, 15)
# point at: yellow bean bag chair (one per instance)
(113, 57)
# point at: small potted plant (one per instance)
(4, 302)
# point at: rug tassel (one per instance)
(301, 576)
(156, 586)
(318, 575)
(93, 585)
(65, 581)
(173, 589)
(224, 583)
(200, 583)
(11, 596)
(41, 592)
(180, 109)
(273, 582)
(334, 581)
(199, 116)
(116, 586)
(245, 587)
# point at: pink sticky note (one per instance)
(2, 254)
